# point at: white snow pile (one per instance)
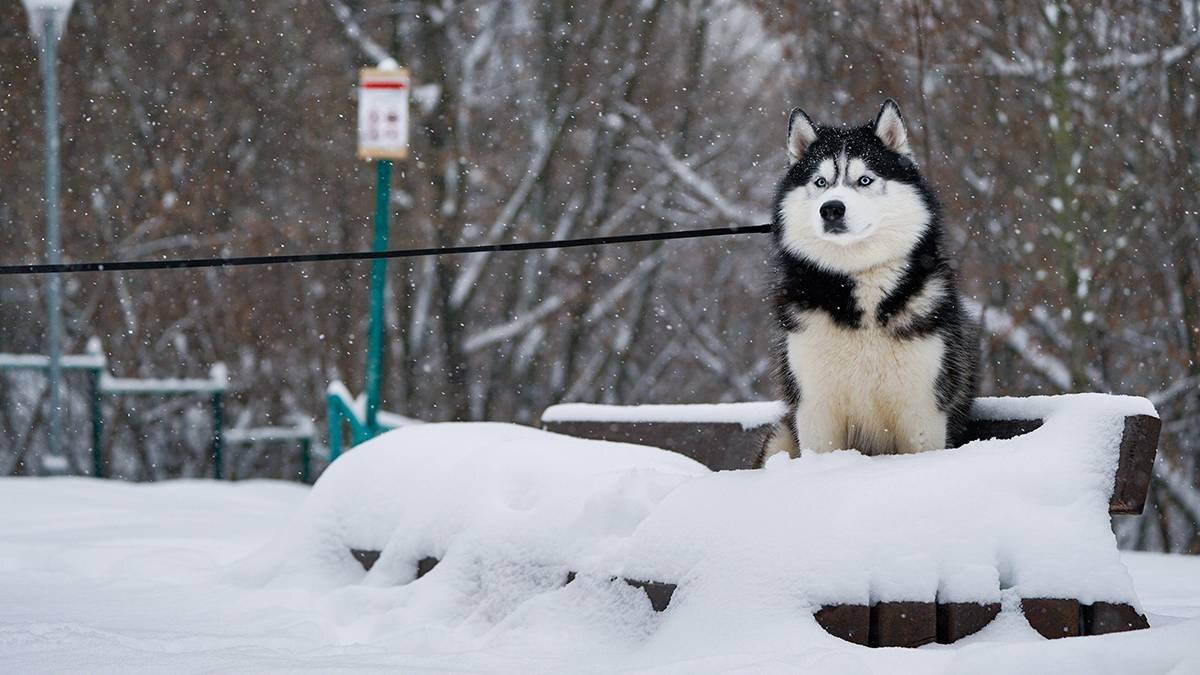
(509, 510)
(749, 414)
(755, 414)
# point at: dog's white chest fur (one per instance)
(864, 388)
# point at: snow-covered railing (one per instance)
(731, 435)
(137, 386)
(101, 384)
(882, 551)
(343, 408)
(42, 361)
(214, 387)
(302, 434)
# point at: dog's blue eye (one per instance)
(865, 181)
(820, 181)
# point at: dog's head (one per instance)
(852, 197)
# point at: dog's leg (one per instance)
(819, 428)
(782, 439)
(921, 428)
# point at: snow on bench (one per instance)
(730, 435)
(496, 520)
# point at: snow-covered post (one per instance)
(47, 18)
(95, 396)
(382, 136)
(220, 377)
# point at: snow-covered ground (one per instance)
(111, 577)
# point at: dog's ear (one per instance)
(801, 134)
(889, 127)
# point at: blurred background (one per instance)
(1062, 136)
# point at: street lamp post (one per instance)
(47, 18)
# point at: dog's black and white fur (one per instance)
(876, 351)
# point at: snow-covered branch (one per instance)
(370, 48)
(513, 328)
(1026, 66)
(701, 186)
(546, 141)
(1176, 389)
(1018, 339)
(1179, 487)
(620, 289)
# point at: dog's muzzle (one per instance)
(833, 217)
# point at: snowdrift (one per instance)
(499, 518)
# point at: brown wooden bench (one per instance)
(730, 445)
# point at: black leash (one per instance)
(294, 258)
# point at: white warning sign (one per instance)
(383, 113)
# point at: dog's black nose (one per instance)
(832, 212)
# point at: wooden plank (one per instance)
(983, 430)
(365, 557)
(425, 565)
(1053, 617)
(1106, 617)
(957, 620)
(1139, 444)
(720, 446)
(851, 623)
(903, 624)
(659, 592)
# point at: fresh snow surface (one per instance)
(756, 414)
(214, 576)
(1037, 407)
(750, 415)
(110, 577)
(107, 577)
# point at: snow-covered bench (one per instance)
(879, 551)
(725, 436)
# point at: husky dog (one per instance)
(875, 351)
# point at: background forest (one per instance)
(1062, 136)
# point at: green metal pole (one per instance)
(97, 424)
(334, 414)
(54, 330)
(305, 460)
(383, 191)
(218, 433)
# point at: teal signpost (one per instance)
(383, 191)
(382, 137)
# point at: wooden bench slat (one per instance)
(1106, 617)
(1054, 618)
(425, 565)
(903, 624)
(659, 592)
(957, 620)
(1139, 444)
(851, 623)
(365, 557)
